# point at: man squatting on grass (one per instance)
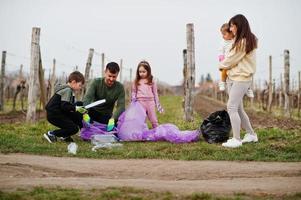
(112, 91)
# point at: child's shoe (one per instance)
(250, 93)
(232, 143)
(50, 137)
(222, 86)
(250, 138)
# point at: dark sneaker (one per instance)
(67, 139)
(49, 137)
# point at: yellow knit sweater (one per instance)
(240, 66)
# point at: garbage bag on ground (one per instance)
(216, 127)
(131, 123)
(132, 127)
(95, 128)
(170, 133)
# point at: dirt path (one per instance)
(221, 177)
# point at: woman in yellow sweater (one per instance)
(241, 66)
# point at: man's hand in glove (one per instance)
(86, 118)
(111, 124)
(81, 109)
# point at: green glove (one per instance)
(81, 109)
(86, 118)
(111, 124)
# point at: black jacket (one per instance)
(62, 101)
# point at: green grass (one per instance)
(124, 193)
(274, 145)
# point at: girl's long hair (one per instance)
(243, 33)
(149, 77)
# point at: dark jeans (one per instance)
(96, 116)
(69, 123)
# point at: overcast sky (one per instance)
(153, 30)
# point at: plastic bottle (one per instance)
(106, 145)
(72, 148)
(102, 139)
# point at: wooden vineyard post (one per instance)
(34, 76)
(87, 70)
(2, 80)
(184, 69)
(120, 72)
(53, 78)
(42, 81)
(270, 85)
(299, 92)
(102, 65)
(286, 83)
(190, 74)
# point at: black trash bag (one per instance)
(216, 127)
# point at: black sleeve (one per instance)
(67, 106)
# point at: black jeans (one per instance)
(96, 116)
(69, 123)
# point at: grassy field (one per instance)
(125, 193)
(274, 145)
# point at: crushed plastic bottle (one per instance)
(106, 145)
(102, 139)
(72, 148)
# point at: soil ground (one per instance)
(183, 177)
(18, 116)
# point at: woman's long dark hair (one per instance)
(149, 77)
(243, 32)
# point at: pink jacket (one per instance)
(146, 92)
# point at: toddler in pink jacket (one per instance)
(144, 90)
